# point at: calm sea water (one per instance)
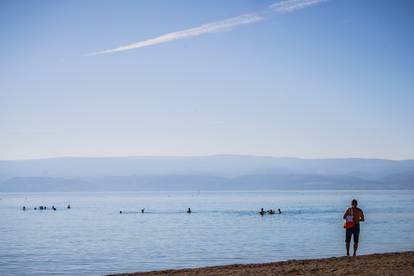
(92, 238)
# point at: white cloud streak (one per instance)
(218, 26)
(294, 5)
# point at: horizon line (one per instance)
(206, 155)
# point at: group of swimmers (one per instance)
(44, 208)
(262, 212)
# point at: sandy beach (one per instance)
(374, 264)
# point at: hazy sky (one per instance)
(305, 78)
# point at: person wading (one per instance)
(353, 216)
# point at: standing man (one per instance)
(353, 216)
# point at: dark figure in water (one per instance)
(53, 208)
(24, 208)
(40, 207)
(120, 212)
(68, 206)
(278, 210)
(271, 212)
(354, 216)
(35, 208)
(262, 212)
(142, 210)
(189, 211)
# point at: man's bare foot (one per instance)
(347, 253)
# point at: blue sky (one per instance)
(328, 79)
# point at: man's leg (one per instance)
(348, 235)
(356, 239)
(355, 248)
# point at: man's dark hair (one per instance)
(354, 202)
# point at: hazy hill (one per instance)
(217, 172)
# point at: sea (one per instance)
(94, 238)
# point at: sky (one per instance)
(297, 78)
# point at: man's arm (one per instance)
(362, 216)
(346, 213)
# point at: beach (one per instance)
(373, 264)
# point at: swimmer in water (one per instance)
(262, 212)
(189, 211)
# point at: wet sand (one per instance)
(375, 264)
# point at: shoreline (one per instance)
(398, 263)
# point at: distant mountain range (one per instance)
(217, 172)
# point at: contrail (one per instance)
(218, 26)
(293, 5)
